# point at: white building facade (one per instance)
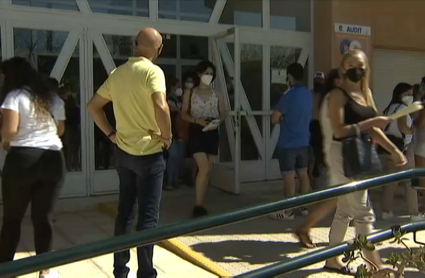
(250, 41)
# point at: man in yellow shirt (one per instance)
(137, 91)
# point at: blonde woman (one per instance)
(348, 109)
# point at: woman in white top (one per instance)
(200, 106)
(346, 110)
(34, 170)
(400, 132)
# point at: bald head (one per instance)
(148, 43)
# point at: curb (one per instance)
(177, 247)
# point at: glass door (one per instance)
(58, 52)
(226, 173)
(280, 57)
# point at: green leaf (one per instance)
(369, 246)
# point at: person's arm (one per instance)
(10, 118)
(162, 114)
(185, 108)
(420, 119)
(95, 109)
(221, 107)
(381, 139)
(59, 115)
(156, 86)
(10, 124)
(402, 126)
(280, 109)
(337, 101)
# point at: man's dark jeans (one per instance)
(140, 180)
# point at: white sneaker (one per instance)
(417, 218)
(387, 215)
(52, 274)
(282, 215)
(303, 211)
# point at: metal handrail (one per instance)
(152, 236)
(291, 265)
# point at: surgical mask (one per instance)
(355, 74)
(188, 85)
(178, 92)
(407, 100)
(206, 79)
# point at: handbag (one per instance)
(360, 158)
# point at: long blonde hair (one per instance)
(366, 77)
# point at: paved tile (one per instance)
(71, 229)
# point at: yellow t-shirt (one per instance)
(130, 88)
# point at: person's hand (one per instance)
(167, 143)
(380, 121)
(113, 138)
(202, 122)
(398, 158)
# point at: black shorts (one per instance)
(202, 142)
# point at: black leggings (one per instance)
(30, 175)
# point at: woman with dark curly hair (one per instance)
(34, 170)
(201, 106)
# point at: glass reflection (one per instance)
(42, 48)
(245, 13)
(293, 15)
(190, 10)
(50, 4)
(120, 7)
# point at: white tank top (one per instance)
(201, 109)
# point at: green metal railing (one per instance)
(291, 265)
(152, 236)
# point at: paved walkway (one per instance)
(249, 245)
(76, 228)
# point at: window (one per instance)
(121, 7)
(246, 13)
(293, 15)
(191, 10)
(50, 4)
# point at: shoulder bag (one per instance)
(360, 158)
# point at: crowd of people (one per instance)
(339, 110)
(157, 124)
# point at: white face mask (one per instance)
(407, 100)
(178, 92)
(188, 85)
(206, 79)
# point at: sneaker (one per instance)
(199, 211)
(387, 215)
(303, 211)
(132, 275)
(417, 218)
(283, 215)
(52, 274)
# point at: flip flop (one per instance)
(305, 239)
(343, 270)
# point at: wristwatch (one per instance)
(112, 133)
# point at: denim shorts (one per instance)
(293, 159)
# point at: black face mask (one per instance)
(355, 74)
(318, 87)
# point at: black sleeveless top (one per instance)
(354, 112)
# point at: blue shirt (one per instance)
(296, 107)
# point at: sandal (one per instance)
(305, 239)
(343, 270)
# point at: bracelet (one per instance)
(112, 133)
